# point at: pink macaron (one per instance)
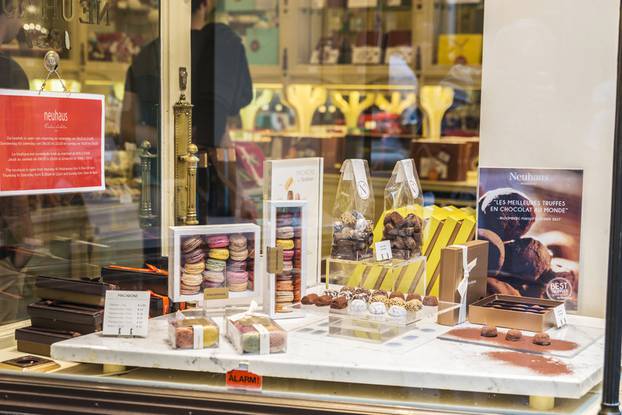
(237, 277)
(288, 254)
(218, 241)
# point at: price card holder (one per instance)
(560, 315)
(383, 251)
(242, 379)
(126, 313)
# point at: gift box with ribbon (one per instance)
(463, 274)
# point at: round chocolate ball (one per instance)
(506, 212)
(526, 258)
(513, 335)
(542, 339)
(489, 331)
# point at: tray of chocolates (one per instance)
(532, 314)
(567, 341)
(374, 315)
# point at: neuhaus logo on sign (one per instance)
(527, 177)
(55, 119)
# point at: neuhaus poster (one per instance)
(51, 143)
(532, 219)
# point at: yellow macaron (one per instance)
(221, 254)
(285, 243)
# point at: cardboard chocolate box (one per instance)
(521, 313)
(452, 273)
(447, 159)
(58, 315)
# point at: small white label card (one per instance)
(383, 251)
(560, 315)
(126, 313)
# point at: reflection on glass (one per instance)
(72, 235)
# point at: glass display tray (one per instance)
(380, 329)
(567, 341)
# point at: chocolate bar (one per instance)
(58, 315)
(38, 341)
(83, 292)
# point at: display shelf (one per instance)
(436, 364)
(339, 74)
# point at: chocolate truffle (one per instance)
(413, 296)
(396, 301)
(414, 305)
(496, 251)
(339, 303)
(430, 301)
(380, 292)
(527, 259)
(489, 331)
(309, 299)
(513, 335)
(346, 288)
(506, 212)
(323, 300)
(396, 294)
(542, 339)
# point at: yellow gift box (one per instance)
(460, 49)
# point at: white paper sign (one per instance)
(126, 313)
(383, 251)
(560, 315)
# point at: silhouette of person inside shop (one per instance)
(16, 229)
(221, 85)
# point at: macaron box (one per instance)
(214, 264)
(285, 227)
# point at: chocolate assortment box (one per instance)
(68, 308)
(214, 263)
(59, 315)
(533, 314)
(85, 292)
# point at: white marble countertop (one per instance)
(430, 363)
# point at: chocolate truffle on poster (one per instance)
(496, 251)
(526, 258)
(506, 212)
(496, 286)
(513, 335)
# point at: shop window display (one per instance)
(295, 185)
